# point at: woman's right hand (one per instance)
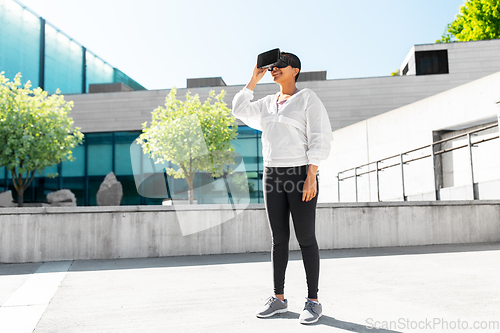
(257, 75)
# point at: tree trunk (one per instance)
(190, 190)
(20, 199)
(189, 179)
(190, 194)
(18, 184)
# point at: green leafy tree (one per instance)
(477, 20)
(35, 131)
(192, 135)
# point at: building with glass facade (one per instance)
(111, 119)
(103, 152)
(52, 60)
(47, 56)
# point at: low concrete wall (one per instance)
(65, 233)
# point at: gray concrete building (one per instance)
(427, 70)
(111, 116)
(440, 67)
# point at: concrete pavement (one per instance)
(399, 289)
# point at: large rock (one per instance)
(61, 198)
(110, 192)
(6, 199)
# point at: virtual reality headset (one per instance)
(274, 58)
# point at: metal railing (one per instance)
(402, 162)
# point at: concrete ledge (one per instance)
(217, 207)
(75, 233)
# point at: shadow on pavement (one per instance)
(331, 322)
(223, 259)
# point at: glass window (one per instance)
(94, 184)
(405, 70)
(77, 167)
(123, 163)
(431, 62)
(155, 187)
(3, 179)
(47, 171)
(77, 186)
(119, 76)
(245, 144)
(130, 195)
(100, 152)
(248, 145)
(63, 63)
(41, 186)
(97, 70)
(20, 42)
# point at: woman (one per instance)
(296, 135)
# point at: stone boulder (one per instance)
(6, 199)
(110, 192)
(61, 198)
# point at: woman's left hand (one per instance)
(309, 189)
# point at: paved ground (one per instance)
(395, 289)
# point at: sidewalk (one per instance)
(415, 288)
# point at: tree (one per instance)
(191, 135)
(35, 131)
(477, 20)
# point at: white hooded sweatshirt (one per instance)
(299, 133)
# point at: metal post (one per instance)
(86, 171)
(378, 182)
(60, 179)
(338, 185)
(436, 189)
(402, 176)
(84, 70)
(356, 182)
(41, 68)
(471, 166)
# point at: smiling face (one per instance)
(282, 75)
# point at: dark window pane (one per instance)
(431, 62)
(77, 186)
(42, 186)
(123, 141)
(405, 70)
(130, 195)
(3, 180)
(100, 153)
(94, 184)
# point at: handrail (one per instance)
(433, 154)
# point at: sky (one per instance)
(161, 43)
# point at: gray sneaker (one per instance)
(272, 307)
(312, 312)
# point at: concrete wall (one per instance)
(466, 59)
(347, 101)
(469, 58)
(410, 127)
(66, 233)
(456, 168)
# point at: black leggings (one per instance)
(282, 196)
